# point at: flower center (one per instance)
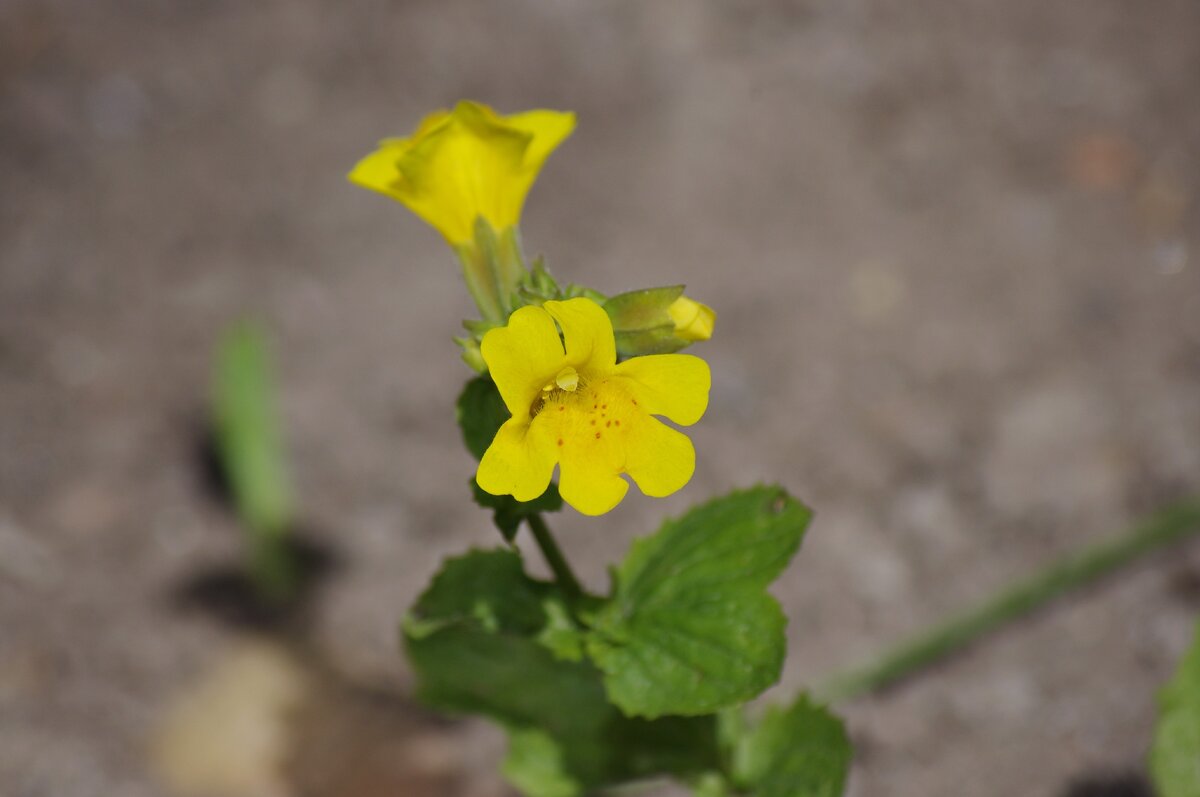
(589, 416)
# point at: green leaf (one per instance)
(1175, 755)
(800, 751)
(481, 413)
(488, 588)
(247, 428)
(250, 451)
(473, 641)
(691, 628)
(508, 512)
(560, 635)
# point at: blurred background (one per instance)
(953, 250)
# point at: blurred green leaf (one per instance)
(250, 449)
(691, 628)
(800, 751)
(472, 640)
(247, 427)
(1175, 755)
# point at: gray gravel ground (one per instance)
(953, 248)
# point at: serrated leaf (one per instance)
(691, 628)
(508, 512)
(485, 587)
(1175, 756)
(473, 640)
(481, 412)
(800, 751)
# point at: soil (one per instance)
(953, 250)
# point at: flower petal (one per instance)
(587, 334)
(548, 128)
(464, 169)
(589, 483)
(378, 170)
(674, 385)
(659, 459)
(519, 462)
(522, 357)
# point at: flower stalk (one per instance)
(553, 555)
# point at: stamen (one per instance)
(567, 379)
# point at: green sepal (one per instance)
(798, 751)
(538, 286)
(642, 322)
(471, 355)
(508, 512)
(573, 291)
(1175, 754)
(642, 309)
(474, 639)
(690, 628)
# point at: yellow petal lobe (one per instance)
(519, 461)
(660, 459)
(523, 357)
(672, 385)
(587, 334)
(590, 484)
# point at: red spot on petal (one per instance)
(634, 401)
(604, 406)
(560, 442)
(593, 421)
(597, 435)
(608, 424)
(618, 423)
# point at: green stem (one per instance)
(1070, 573)
(554, 557)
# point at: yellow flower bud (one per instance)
(693, 321)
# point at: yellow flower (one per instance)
(573, 406)
(466, 163)
(693, 321)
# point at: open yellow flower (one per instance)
(466, 163)
(573, 406)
